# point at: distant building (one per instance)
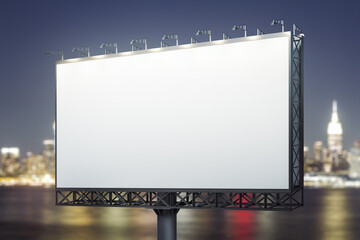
(318, 151)
(313, 164)
(354, 160)
(335, 131)
(49, 155)
(10, 165)
(306, 153)
(331, 158)
(34, 165)
(336, 158)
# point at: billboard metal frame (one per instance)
(264, 199)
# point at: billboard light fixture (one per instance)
(298, 30)
(193, 40)
(204, 32)
(57, 52)
(135, 48)
(83, 51)
(108, 48)
(138, 41)
(164, 44)
(172, 36)
(259, 32)
(240, 27)
(278, 21)
(226, 36)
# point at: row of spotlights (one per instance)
(111, 48)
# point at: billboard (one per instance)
(205, 116)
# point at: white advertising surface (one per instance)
(200, 116)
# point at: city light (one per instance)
(331, 165)
(48, 142)
(32, 170)
(14, 151)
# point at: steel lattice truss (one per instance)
(279, 200)
(248, 201)
(297, 114)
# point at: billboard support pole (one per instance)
(166, 217)
(166, 223)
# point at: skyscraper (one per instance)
(354, 171)
(318, 151)
(306, 152)
(336, 155)
(335, 132)
(49, 155)
(10, 161)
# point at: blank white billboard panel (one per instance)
(200, 116)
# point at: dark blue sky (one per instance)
(29, 28)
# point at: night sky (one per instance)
(29, 28)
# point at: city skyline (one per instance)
(29, 29)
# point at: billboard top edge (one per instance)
(183, 46)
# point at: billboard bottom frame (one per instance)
(282, 201)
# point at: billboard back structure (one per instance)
(215, 124)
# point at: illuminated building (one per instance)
(306, 152)
(335, 131)
(48, 146)
(354, 160)
(318, 151)
(49, 155)
(308, 162)
(336, 157)
(333, 158)
(34, 165)
(10, 161)
(313, 164)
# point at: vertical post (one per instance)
(301, 46)
(166, 223)
(166, 218)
